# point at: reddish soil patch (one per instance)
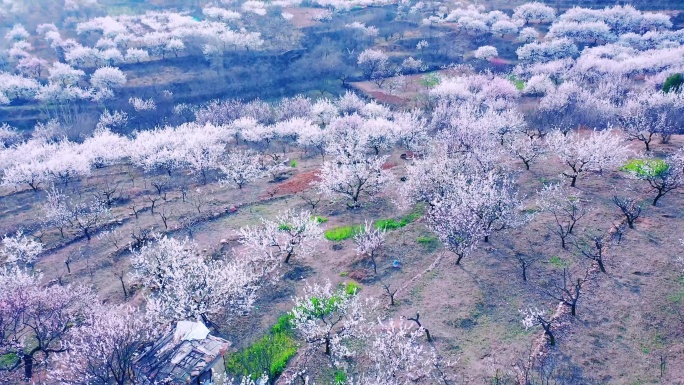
(389, 165)
(299, 182)
(388, 99)
(497, 61)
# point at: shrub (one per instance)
(673, 83)
(269, 354)
(293, 163)
(519, 84)
(319, 219)
(340, 377)
(351, 288)
(429, 80)
(283, 325)
(644, 168)
(8, 360)
(342, 232)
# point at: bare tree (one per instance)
(87, 216)
(312, 200)
(113, 236)
(630, 209)
(120, 275)
(152, 199)
(526, 260)
(133, 207)
(389, 291)
(165, 214)
(107, 194)
(140, 236)
(416, 319)
(161, 184)
(199, 199)
(535, 317)
(593, 250)
(566, 290)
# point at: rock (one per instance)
(223, 241)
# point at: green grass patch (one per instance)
(519, 84)
(559, 262)
(319, 219)
(352, 288)
(340, 377)
(293, 163)
(677, 298)
(429, 242)
(389, 224)
(341, 233)
(393, 224)
(269, 354)
(645, 168)
(284, 227)
(8, 360)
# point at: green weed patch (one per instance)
(342, 232)
(645, 168)
(269, 354)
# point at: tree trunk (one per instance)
(28, 366)
(573, 180)
(458, 260)
(660, 195)
(552, 339)
(524, 272)
(630, 222)
(123, 286)
(427, 334)
(601, 266)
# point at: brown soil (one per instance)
(298, 182)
